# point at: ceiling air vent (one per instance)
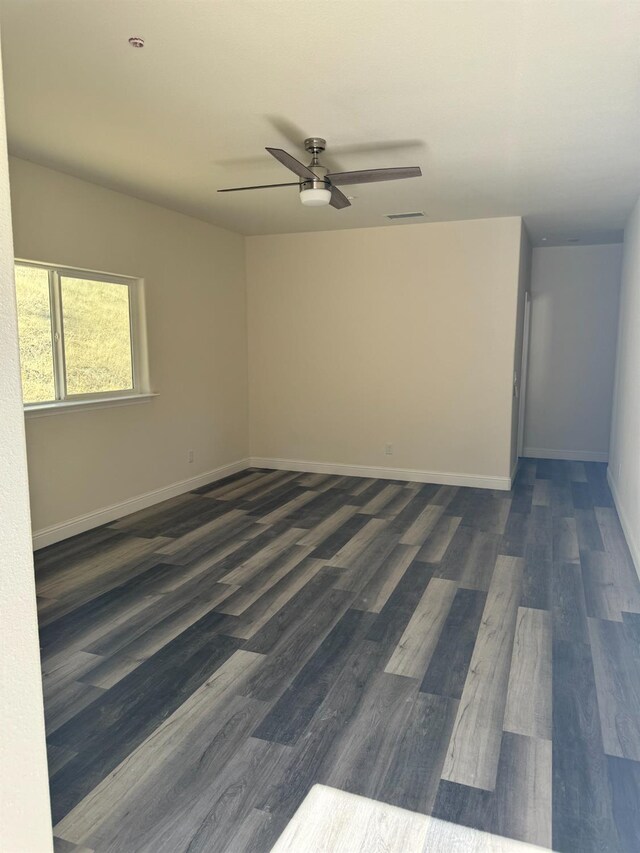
(416, 215)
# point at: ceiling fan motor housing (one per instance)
(315, 193)
(315, 144)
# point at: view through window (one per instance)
(78, 336)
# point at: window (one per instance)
(81, 336)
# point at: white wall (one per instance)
(25, 818)
(80, 462)
(386, 335)
(574, 317)
(624, 460)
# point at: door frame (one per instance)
(523, 371)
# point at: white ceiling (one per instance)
(525, 107)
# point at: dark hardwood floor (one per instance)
(459, 652)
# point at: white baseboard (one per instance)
(568, 455)
(441, 478)
(629, 532)
(81, 523)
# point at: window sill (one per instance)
(41, 410)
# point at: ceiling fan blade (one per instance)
(291, 163)
(259, 187)
(369, 176)
(338, 199)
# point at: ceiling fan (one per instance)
(317, 185)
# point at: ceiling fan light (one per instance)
(315, 197)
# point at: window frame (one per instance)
(137, 337)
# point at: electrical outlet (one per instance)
(388, 449)
(190, 455)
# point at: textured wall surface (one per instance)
(25, 824)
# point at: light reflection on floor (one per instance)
(333, 821)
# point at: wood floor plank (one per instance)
(117, 561)
(57, 757)
(361, 756)
(146, 640)
(520, 807)
(447, 671)
(470, 558)
(397, 504)
(589, 538)
(190, 732)
(542, 493)
(120, 719)
(413, 775)
(582, 807)
(185, 608)
(377, 591)
(288, 508)
(293, 711)
(624, 779)
(208, 822)
(379, 501)
(603, 595)
(363, 567)
(615, 545)
(297, 645)
(617, 678)
(273, 598)
(247, 569)
(418, 642)
(353, 548)
(200, 533)
(561, 500)
(568, 605)
(514, 540)
(340, 539)
(67, 702)
(474, 748)
(418, 531)
(316, 535)
(258, 831)
(529, 701)
(565, 540)
(246, 595)
(309, 757)
(58, 673)
(524, 791)
(401, 604)
(291, 615)
(577, 472)
(536, 578)
(439, 539)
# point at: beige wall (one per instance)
(25, 819)
(399, 335)
(574, 316)
(80, 462)
(624, 460)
